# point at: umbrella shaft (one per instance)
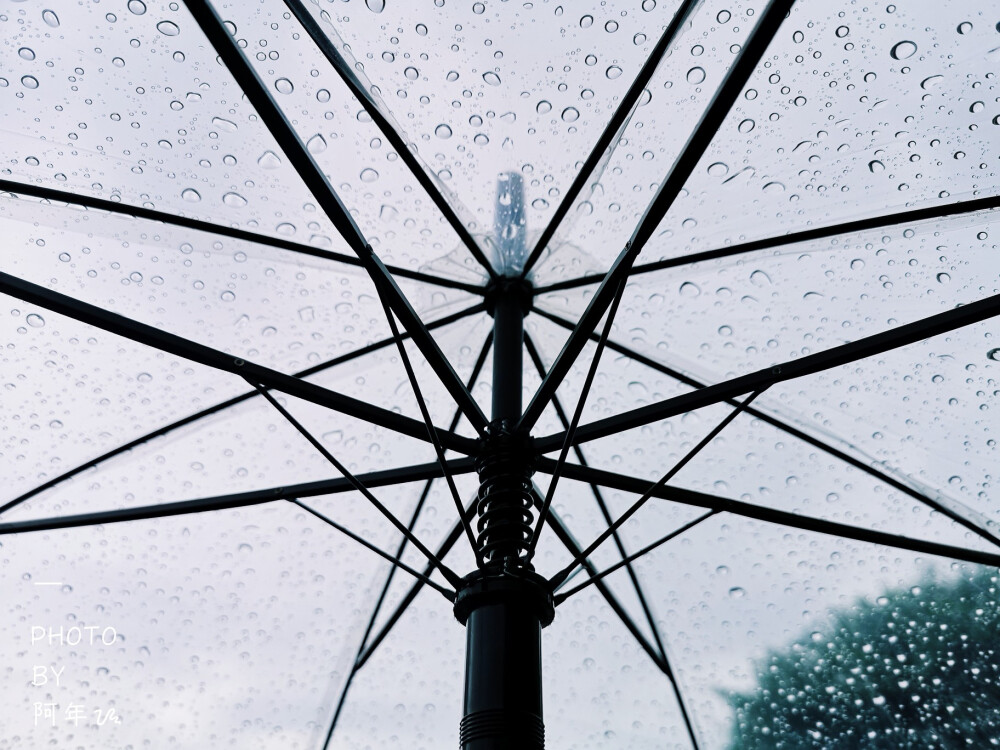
(503, 679)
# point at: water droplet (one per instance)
(35, 321)
(375, 6)
(269, 160)
(746, 125)
(411, 73)
(798, 37)
(421, 29)
(539, 204)
(316, 144)
(368, 175)
(29, 82)
(723, 16)
(964, 28)
(137, 6)
(696, 75)
(613, 72)
(718, 169)
(976, 107)
(491, 78)
(774, 187)
(760, 278)
(931, 82)
(876, 166)
(190, 195)
(50, 18)
(543, 106)
(993, 354)
(119, 63)
(234, 199)
(586, 22)
(227, 296)
(903, 50)
(442, 131)
(168, 28)
(481, 139)
(943, 278)
(690, 289)
(570, 114)
(857, 264)
(842, 31)
(284, 86)
(737, 592)
(648, 5)
(611, 27)
(478, 8)
(26, 53)
(222, 124)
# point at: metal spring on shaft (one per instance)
(504, 524)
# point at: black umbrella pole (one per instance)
(504, 614)
(505, 604)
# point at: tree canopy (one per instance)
(918, 668)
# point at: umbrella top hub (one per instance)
(507, 289)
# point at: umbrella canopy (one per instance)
(313, 309)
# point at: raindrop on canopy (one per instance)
(442, 131)
(375, 6)
(137, 6)
(903, 50)
(50, 18)
(696, 75)
(491, 78)
(284, 86)
(570, 114)
(190, 195)
(168, 28)
(316, 144)
(269, 160)
(234, 200)
(368, 175)
(35, 321)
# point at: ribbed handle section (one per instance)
(502, 730)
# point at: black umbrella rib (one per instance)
(869, 346)
(453, 536)
(453, 578)
(611, 130)
(536, 358)
(564, 535)
(627, 561)
(773, 515)
(603, 297)
(339, 64)
(311, 174)
(385, 477)
(977, 527)
(747, 60)
(577, 413)
(204, 355)
(449, 595)
(222, 406)
(476, 370)
(562, 575)
(138, 212)
(571, 544)
(860, 225)
(431, 430)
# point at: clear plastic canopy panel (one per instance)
(247, 280)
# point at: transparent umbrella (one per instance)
(349, 345)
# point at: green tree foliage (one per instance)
(920, 668)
